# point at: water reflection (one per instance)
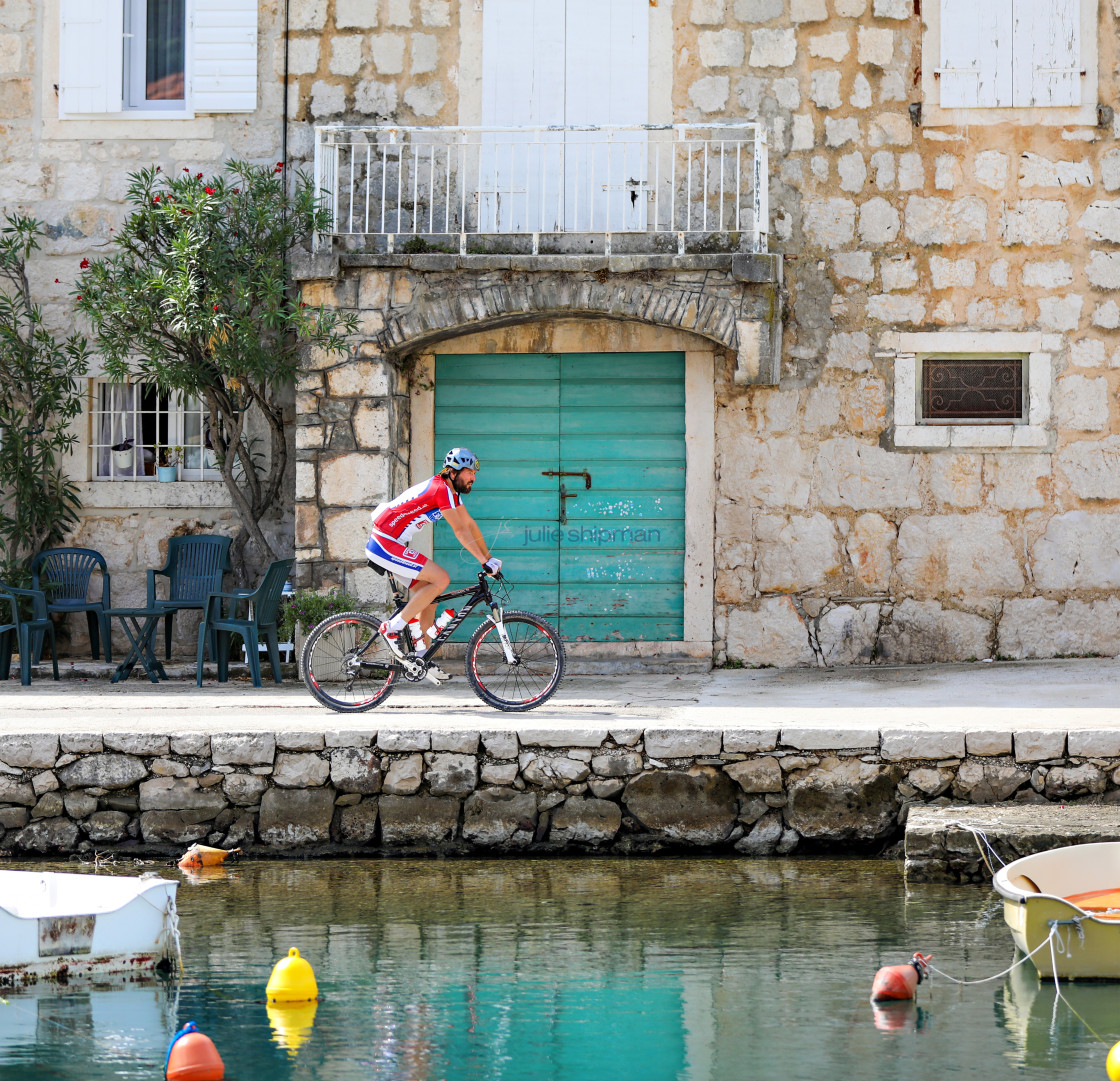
(549, 970)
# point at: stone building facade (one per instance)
(827, 521)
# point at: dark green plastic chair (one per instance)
(64, 575)
(194, 570)
(219, 624)
(28, 633)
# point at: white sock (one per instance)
(396, 625)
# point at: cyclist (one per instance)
(396, 522)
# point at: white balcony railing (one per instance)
(673, 185)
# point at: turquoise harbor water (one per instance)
(541, 970)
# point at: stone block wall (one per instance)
(628, 791)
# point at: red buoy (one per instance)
(894, 982)
(191, 1056)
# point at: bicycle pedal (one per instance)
(433, 678)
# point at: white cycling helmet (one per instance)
(461, 458)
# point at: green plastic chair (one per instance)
(28, 633)
(221, 625)
(64, 574)
(194, 570)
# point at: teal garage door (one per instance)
(582, 485)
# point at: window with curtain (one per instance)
(155, 54)
(131, 422)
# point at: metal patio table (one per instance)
(140, 626)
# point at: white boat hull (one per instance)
(63, 926)
(1039, 893)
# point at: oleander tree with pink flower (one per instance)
(194, 296)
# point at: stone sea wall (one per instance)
(624, 791)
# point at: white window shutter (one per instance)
(91, 57)
(976, 68)
(1047, 46)
(224, 61)
(522, 63)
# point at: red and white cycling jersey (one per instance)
(402, 518)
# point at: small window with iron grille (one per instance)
(972, 389)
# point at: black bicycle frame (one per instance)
(480, 592)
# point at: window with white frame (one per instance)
(177, 58)
(136, 427)
(971, 389)
(997, 55)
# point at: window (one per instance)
(155, 34)
(130, 58)
(1038, 57)
(971, 389)
(130, 422)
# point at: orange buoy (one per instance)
(894, 982)
(191, 1056)
(203, 856)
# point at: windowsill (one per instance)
(933, 116)
(1032, 437)
(134, 494)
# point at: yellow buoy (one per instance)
(291, 1024)
(292, 980)
(1112, 1063)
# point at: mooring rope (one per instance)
(998, 975)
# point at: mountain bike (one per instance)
(514, 659)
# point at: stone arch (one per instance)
(712, 310)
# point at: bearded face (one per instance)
(463, 481)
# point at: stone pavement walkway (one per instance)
(810, 707)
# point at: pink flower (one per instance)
(84, 264)
(155, 200)
(209, 191)
(57, 282)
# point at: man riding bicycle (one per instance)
(396, 522)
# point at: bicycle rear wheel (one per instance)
(346, 664)
(535, 674)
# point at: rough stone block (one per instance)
(1077, 551)
(82, 742)
(418, 820)
(848, 633)
(773, 48)
(901, 744)
(756, 774)
(499, 773)
(48, 835)
(1093, 743)
(500, 818)
(1035, 221)
(830, 739)
(108, 827)
(560, 737)
(992, 742)
(404, 775)
(749, 740)
(180, 794)
(624, 764)
(299, 741)
(175, 827)
(875, 46)
(774, 634)
(190, 744)
(586, 821)
(244, 789)
(500, 744)
(357, 825)
(354, 769)
(922, 631)
(697, 807)
(245, 749)
(300, 770)
(292, 817)
(866, 477)
(29, 751)
(402, 742)
(943, 221)
(844, 799)
(348, 737)
(451, 774)
(957, 554)
(103, 771)
(1037, 746)
(461, 742)
(722, 48)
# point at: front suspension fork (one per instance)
(503, 635)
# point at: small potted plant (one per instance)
(167, 462)
(123, 455)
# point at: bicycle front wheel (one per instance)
(346, 663)
(533, 676)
